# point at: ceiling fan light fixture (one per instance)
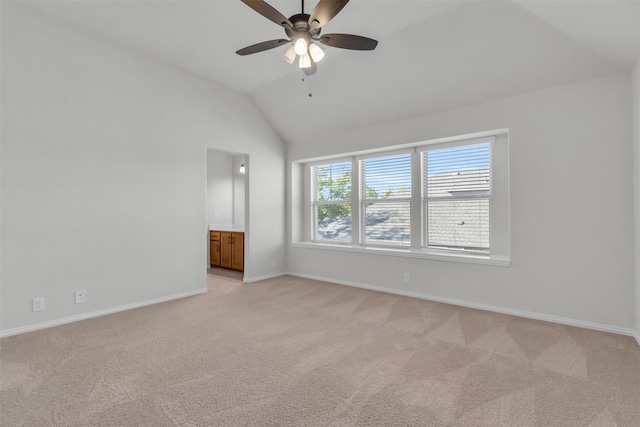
(316, 52)
(300, 46)
(305, 61)
(290, 54)
(303, 33)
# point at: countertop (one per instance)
(226, 227)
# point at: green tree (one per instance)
(335, 189)
(338, 189)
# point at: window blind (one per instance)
(456, 197)
(386, 200)
(332, 181)
(331, 205)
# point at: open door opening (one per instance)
(226, 214)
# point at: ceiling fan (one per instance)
(303, 31)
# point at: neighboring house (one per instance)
(458, 209)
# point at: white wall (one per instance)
(225, 189)
(239, 189)
(636, 168)
(571, 207)
(104, 174)
(220, 187)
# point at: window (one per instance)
(456, 197)
(331, 202)
(385, 203)
(441, 200)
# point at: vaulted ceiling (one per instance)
(432, 55)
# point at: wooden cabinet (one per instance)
(227, 249)
(237, 251)
(214, 251)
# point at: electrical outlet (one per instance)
(38, 304)
(407, 278)
(81, 296)
(273, 263)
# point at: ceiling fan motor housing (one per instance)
(301, 28)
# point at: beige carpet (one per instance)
(294, 352)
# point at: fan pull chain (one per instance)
(310, 92)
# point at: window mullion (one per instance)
(355, 203)
(416, 201)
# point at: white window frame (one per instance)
(363, 200)
(499, 254)
(424, 198)
(316, 203)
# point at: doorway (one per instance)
(226, 214)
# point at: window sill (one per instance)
(496, 260)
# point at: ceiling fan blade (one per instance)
(348, 41)
(259, 47)
(324, 12)
(269, 12)
(311, 70)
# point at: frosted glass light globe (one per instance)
(300, 46)
(316, 53)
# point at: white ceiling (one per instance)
(432, 55)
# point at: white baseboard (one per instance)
(263, 277)
(479, 306)
(84, 316)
